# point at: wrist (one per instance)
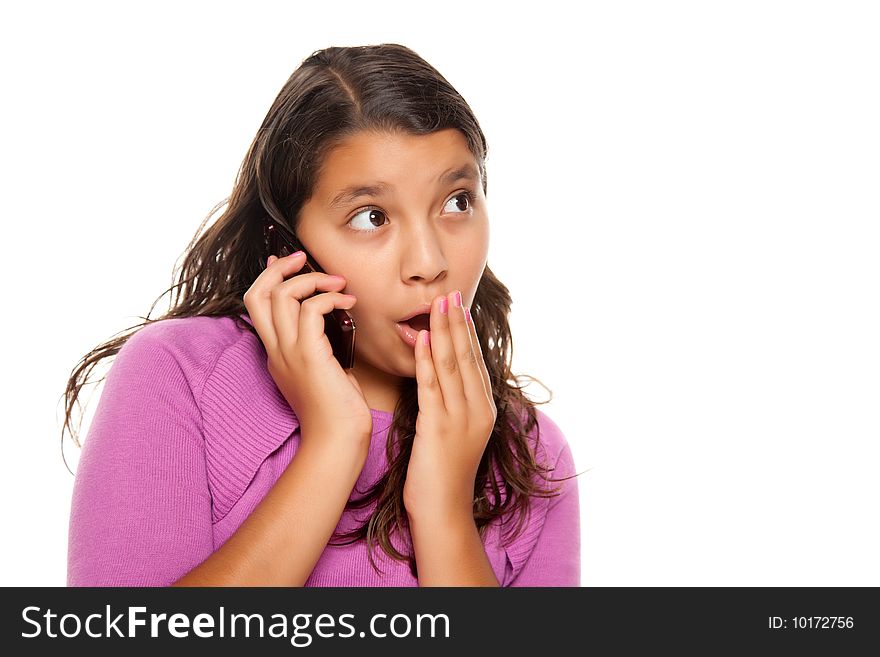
(336, 444)
(432, 514)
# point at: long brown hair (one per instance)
(333, 94)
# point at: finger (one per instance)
(287, 297)
(429, 395)
(481, 361)
(312, 311)
(258, 300)
(445, 358)
(474, 390)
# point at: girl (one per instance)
(230, 447)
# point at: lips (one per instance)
(420, 322)
(421, 309)
(418, 319)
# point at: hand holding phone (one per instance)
(339, 326)
(290, 312)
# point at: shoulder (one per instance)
(243, 416)
(191, 345)
(187, 336)
(552, 439)
(548, 441)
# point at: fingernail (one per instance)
(467, 315)
(444, 306)
(425, 337)
(456, 298)
(295, 254)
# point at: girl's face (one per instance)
(417, 233)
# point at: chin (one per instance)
(395, 361)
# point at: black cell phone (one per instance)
(338, 325)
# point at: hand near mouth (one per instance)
(456, 414)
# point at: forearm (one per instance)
(283, 538)
(449, 552)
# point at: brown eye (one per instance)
(374, 216)
(462, 201)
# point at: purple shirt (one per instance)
(191, 432)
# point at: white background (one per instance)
(683, 202)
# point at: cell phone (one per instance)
(339, 326)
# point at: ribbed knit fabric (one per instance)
(191, 432)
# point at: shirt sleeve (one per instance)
(555, 559)
(141, 507)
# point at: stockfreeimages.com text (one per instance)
(206, 625)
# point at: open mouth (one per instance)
(419, 322)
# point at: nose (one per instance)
(422, 254)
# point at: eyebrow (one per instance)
(349, 194)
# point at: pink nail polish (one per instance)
(467, 315)
(456, 298)
(444, 306)
(425, 337)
